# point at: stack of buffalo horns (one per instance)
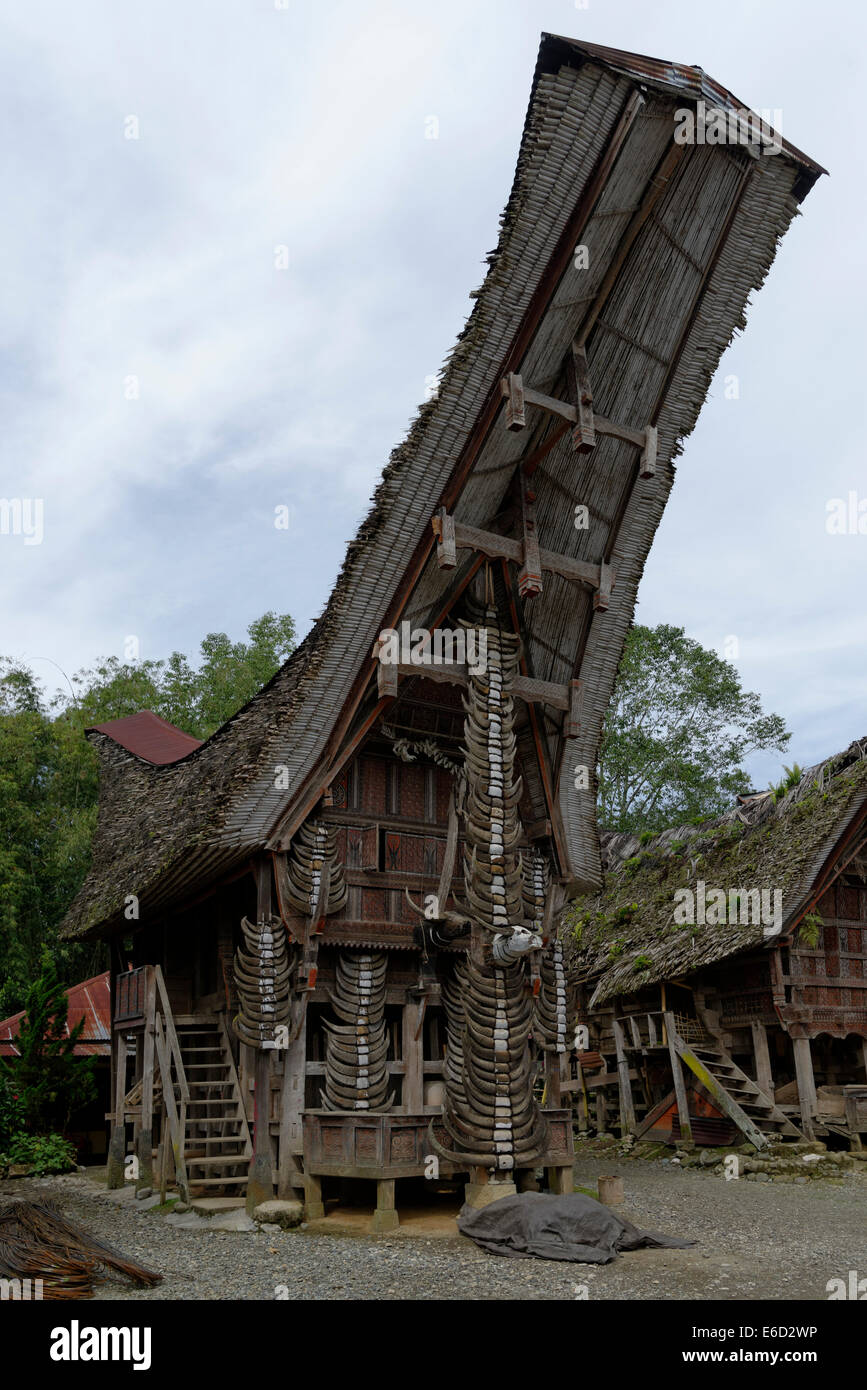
(262, 971)
(549, 1025)
(356, 1073)
(489, 1111)
(317, 885)
(492, 867)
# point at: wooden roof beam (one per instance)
(526, 688)
(587, 424)
(452, 536)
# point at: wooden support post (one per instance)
(627, 1108)
(530, 573)
(162, 1163)
(602, 597)
(117, 1142)
(386, 681)
(175, 1120)
(679, 1084)
(314, 1209)
(762, 1059)
(145, 1144)
(584, 433)
(582, 1096)
(289, 1172)
(573, 721)
(560, 1180)
(512, 388)
(443, 525)
(385, 1218)
(601, 1112)
(260, 1182)
(413, 1077)
(260, 1185)
(647, 465)
(553, 1080)
(806, 1084)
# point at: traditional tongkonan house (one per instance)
(333, 923)
(722, 971)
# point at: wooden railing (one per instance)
(176, 1093)
(141, 998)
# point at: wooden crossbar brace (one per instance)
(525, 687)
(452, 537)
(587, 423)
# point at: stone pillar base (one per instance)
(560, 1180)
(313, 1206)
(481, 1194)
(385, 1218)
(384, 1221)
(259, 1185)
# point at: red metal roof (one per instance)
(150, 737)
(91, 1001)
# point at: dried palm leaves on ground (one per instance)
(38, 1242)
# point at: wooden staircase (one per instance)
(217, 1144)
(734, 1093)
(687, 1041)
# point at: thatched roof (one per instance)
(626, 937)
(666, 293)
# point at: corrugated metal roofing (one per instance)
(148, 736)
(89, 1000)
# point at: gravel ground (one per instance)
(756, 1241)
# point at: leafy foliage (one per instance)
(48, 777)
(677, 732)
(50, 1080)
(11, 1118)
(198, 700)
(791, 779)
(809, 930)
(43, 1153)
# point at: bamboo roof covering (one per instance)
(677, 238)
(626, 937)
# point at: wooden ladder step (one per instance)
(218, 1160)
(216, 1139)
(218, 1182)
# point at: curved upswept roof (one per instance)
(664, 292)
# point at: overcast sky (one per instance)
(230, 258)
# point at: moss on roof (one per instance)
(626, 937)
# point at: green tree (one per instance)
(676, 734)
(48, 777)
(47, 817)
(198, 699)
(51, 1082)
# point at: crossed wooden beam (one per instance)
(587, 424)
(526, 552)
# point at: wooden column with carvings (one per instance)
(260, 1182)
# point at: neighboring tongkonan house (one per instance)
(722, 971)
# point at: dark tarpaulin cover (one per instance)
(547, 1227)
